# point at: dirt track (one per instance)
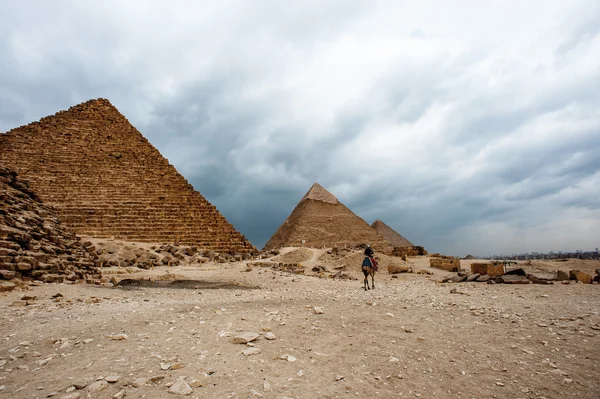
(410, 337)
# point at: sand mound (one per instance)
(295, 256)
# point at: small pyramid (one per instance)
(106, 180)
(321, 220)
(390, 235)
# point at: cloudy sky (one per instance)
(473, 128)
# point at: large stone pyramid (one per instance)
(390, 235)
(320, 220)
(106, 180)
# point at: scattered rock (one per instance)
(180, 387)
(112, 379)
(318, 310)
(245, 337)
(270, 336)
(118, 337)
(339, 377)
(139, 382)
(98, 386)
(251, 351)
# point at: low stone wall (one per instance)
(451, 265)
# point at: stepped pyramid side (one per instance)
(320, 220)
(106, 180)
(390, 235)
(33, 242)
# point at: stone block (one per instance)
(580, 276)
(479, 268)
(451, 265)
(494, 270)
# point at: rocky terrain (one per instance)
(33, 242)
(231, 330)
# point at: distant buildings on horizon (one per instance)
(578, 254)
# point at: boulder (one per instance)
(245, 337)
(514, 279)
(458, 279)
(562, 276)
(580, 276)
(7, 274)
(395, 269)
(6, 286)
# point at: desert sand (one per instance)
(410, 337)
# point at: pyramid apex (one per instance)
(319, 193)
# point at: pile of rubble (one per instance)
(33, 242)
(497, 273)
(107, 254)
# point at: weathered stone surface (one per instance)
(93, 165)
(473, 277)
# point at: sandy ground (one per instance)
(410, 337)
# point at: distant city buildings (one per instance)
(578, 254)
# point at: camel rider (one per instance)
(369, 259)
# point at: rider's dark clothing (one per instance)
(369, 252)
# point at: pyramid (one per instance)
(390, 235)
(320, 220)
(106, 180)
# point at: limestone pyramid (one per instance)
(106, 180)
(390, 235)
(320, 220)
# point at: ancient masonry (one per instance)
(33, 243)
(391, 236)
(320, 220)
(106, 180)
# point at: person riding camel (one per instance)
(369, 252)
(370, 255)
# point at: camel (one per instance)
(369, 267)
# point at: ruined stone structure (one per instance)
(409, 251)
(106, 180)
(320, 220)
(450, 265)
(33, 242)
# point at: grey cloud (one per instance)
(468, 132)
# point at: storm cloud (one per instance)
(470, 128)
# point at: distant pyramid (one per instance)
(106, 180)
(320, 220)
(390, 235)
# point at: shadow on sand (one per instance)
(133, 284)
